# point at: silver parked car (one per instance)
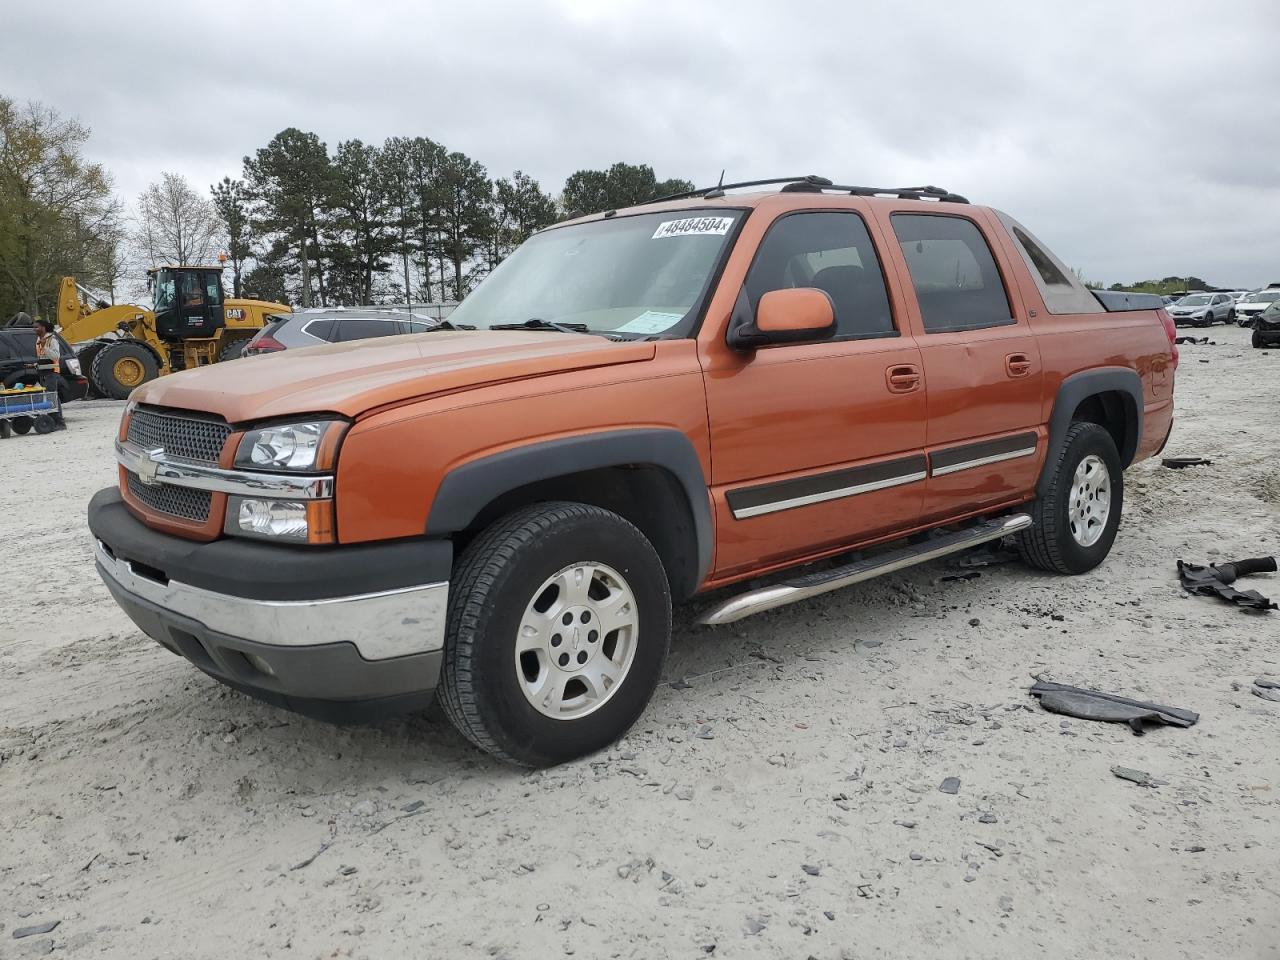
(310, 328)
(1204, 309)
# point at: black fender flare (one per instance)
(468, 489)
(1079, 387)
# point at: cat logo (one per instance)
(235, 313)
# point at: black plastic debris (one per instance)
(1195, 340)
(1107, 707)
(1215, 580)
(1181, 463)
(987, 557)
(1266, 689)
(960, 577)
(36, 929)
(1140, 777)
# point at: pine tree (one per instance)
(291, 182)
(622, 185)
(231, 201)
(465, 216)
(520, 207)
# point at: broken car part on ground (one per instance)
(1215, 580)
(1107, 707)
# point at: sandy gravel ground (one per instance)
(780, 798)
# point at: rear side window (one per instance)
(954, 274)
(1059, 287)
(364, 329)
(1050, 275)
(833, 252)
(320, 329)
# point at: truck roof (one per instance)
(786, 192)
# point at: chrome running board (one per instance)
(814, 584)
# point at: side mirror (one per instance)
(795, 315)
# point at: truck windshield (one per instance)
(636, 276)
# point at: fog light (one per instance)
(259, 664)
(289, 521)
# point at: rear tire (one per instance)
(22, 425)
(506, 609)
(45, 424)
(1086, 481)
(121, 367)
(6, 430)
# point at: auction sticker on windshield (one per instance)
(693, 226)
(651, 321)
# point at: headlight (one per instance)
(291, 446)
(285, 521)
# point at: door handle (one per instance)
(902, 378)
(1017, 364)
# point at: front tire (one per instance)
(559, 624)
(121, 366)
(1257, 340)
(1077, 517)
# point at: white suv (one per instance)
(1253, 305)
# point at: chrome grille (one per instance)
(186, 437)
(175, 501)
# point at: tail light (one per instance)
(263, 343)
(1171, 331)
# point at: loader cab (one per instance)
(188, 302)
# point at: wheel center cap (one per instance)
(578, 637)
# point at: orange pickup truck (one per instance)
(637, 407)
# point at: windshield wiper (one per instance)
(537, 323)
(446, 325)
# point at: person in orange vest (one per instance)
(48, 348)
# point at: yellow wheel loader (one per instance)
(123, 346)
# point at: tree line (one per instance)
(407, 219)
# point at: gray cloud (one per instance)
(1138, 139)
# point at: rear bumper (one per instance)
(309, 630)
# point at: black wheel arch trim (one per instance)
(468, 489)
(1077, 388)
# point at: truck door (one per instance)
(981, 364)
(816, 445)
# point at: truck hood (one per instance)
(352, 378)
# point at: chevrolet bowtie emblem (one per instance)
(149, 464)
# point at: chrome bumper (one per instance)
(393, 623)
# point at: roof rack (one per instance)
(815, 184)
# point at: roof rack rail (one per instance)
(815, 184)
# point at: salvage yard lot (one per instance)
(780, 797)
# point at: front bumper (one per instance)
(343, 633)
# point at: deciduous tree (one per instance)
(52, 202)
(175, 224)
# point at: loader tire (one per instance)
(233, 350)
(120, 367)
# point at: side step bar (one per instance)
(801, 588)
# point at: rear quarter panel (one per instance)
(1073, 343)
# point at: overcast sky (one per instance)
(1136, 139)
